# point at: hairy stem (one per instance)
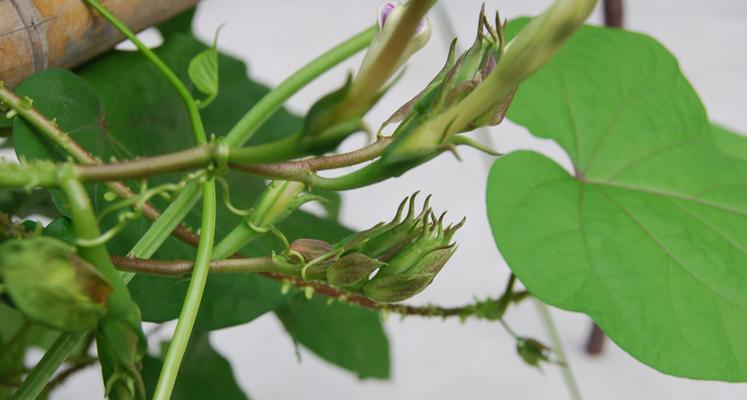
(37, 380)
(191, 305)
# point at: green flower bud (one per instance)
(392, 289)
(408, 252)
(276, 202)
(532, 351)
(310, 249)
(403, 30)
(422, 134)
(351, 270)
(385, 239)
(51, 285)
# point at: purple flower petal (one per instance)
(384, 11)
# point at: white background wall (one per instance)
(444, 360)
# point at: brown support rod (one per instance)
(613, 17)
(40, 34)
(613, 13)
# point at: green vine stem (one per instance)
(268, 266)
(271, 102)
(37, 380)
(46, 367)
(52, 132)
(247, 126)
(191, 305)
(192, 109)
(169, 223)
(182, 268)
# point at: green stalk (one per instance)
(46, 367)
(254, 118)
(191, 306)
(194, 112)
(161, 228)
(239, 237)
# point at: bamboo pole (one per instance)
(40, 34)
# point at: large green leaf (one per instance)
(204, 373)
(348, 336)
(730, 143)
(649, 234)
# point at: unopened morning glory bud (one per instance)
(310, 249)
(402, 30)
(421, 133)
(405, 253)
(351, 269)
(415, 265)
(385, 239)
(51, 285)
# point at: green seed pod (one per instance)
(51, 285)
(351, 270)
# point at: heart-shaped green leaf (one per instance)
(648, 235)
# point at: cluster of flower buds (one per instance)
(402, 30)
(426, 127)
(390, 262)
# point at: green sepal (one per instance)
(51, 285)
(351, 269)
(392, 289)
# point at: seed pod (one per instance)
(51, 285)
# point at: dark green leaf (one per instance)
(204, 373)
(648, 235)
(348, 336)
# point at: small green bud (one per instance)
(351, 269)
(415, 249)
(532, 351)
(49, 283)
(392, 289)
(310, 248)
(276, 202)
(385, 239)
(422, 133)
